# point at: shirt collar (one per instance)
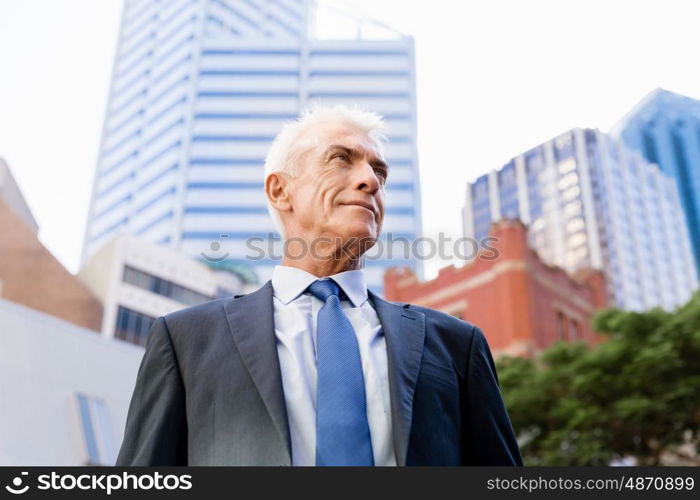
(290, 282)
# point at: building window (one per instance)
(533, 162)
(506, 176)
(650, 148)
(510, 208)
(163, 287)
(568, 180)
(97, 430)
(575, 330)
(133, 326)
(562, 334)
(567, 166)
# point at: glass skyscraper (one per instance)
(665, 128)
(199, 90)
(590, 202)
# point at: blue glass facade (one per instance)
(534, 166)
(665, 128)
(508, 192)
(481, 208)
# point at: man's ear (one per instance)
(276, 190)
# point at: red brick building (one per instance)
(522, 304)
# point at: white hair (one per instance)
(295, 139)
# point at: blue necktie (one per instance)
(342, 430)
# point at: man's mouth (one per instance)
(362, 204)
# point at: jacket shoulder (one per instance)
(446, 320)
(197, 311)
(209, 314)
(202, 317)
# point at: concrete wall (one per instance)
(44, 362)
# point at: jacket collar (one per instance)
(251, 322)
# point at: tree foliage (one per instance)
(636, 394)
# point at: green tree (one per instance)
(637, 394)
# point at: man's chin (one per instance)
(361, 233)
(361, 237)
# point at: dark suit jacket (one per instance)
(209, 389)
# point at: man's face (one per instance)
(338, 187)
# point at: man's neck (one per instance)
(325, 255)
(323, 268)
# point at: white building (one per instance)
(200, 89)
(138, 281)
(590, 202)
(65, 391)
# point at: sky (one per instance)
(494, 79)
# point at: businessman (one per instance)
(313, 368)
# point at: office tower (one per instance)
(665, 128)
(590, 202)
(199, 90)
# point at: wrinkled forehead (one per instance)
(324, 135)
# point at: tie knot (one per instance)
(322, 289)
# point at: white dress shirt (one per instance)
(295, 328)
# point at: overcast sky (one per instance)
(494, 79)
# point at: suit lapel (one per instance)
(404, 331)
(251, 321)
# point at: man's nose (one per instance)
(366, 179)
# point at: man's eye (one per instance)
(381, 173)
(342, 157)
